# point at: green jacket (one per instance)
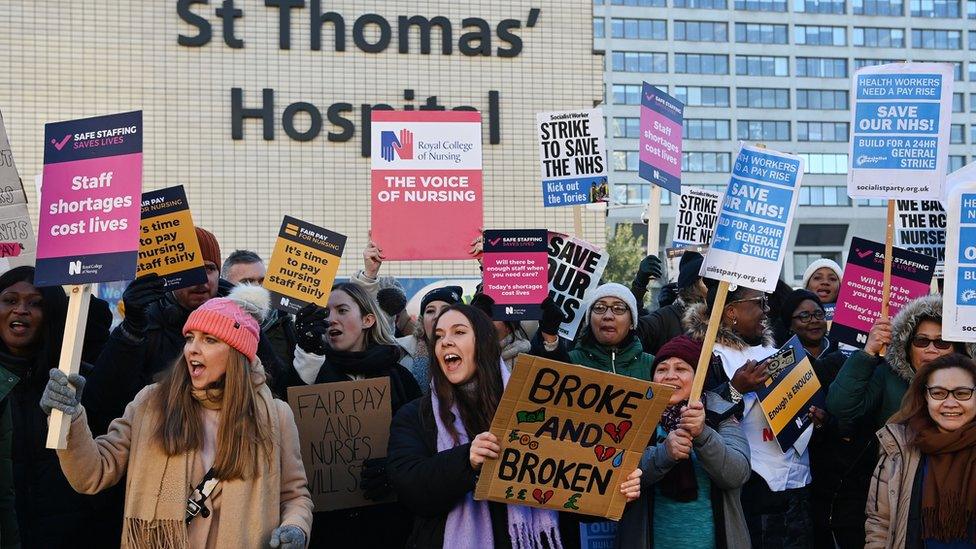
(9, 534)
(866, 387)
(630, 360)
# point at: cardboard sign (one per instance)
(661, 118)
(515, 272)
(303, 265)
(697, 214)
(16, 233)
(753, 227)
(88, 230)
(900, 131)
(426, 176)
(569, 435)
(859, 299)
(572, 154)
(168, 243)
(787, 395)
(341, 425)
(575, 267)
(959, 292)
(921, 228)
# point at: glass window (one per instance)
(762, 98)
(822, 131)
(626, 127)
(877, 7)
(821, 100)
(701, 4)
(957, 133)
(821, 67)
(702, 96)
(823, 196)
(972, 40)
(645, 3)
(598, 27)
(761, 65)
(814, 35)
(876, 37)
(701, 63)
(760, 33)
(825, 163)
(632, 61)
(935, 8)
(958, 100)
(936, 39)
(972, 103)
(819, 6)
(628, 94)
(956, 162)
(626, 161)
(639, 29)
(705, 162)
(971, 9)
(763, 130)
(703, 128)
(956, 67)
(761, 5)
(858, 63)
(701, 31)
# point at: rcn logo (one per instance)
(74, 267)
(401, 146)
(510, 310)
(285, 302)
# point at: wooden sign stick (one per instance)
(886, 287)
(578, 221)
(74, 337)
(654, 221)
(714, 321)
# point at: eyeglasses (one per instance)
(761, 300)
(922, 342)
(959, 393)
(618, 309)
(805, 316)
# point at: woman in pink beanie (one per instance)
(210, 458)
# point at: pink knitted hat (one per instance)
(235, 319)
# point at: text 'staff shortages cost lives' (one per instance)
(660, 139)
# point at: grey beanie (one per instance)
(612, 289)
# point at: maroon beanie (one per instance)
(209, 248)
(682, 347)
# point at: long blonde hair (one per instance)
(244, 430)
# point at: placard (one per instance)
(788, 393)
(573, 157)
(959, 295)
(341, 425)
(426, 176)
(575, 267)
(697, 214)
(515, 274)
(303, 265)
(900, 131)
(672, 256)
(754, 222)
(168, 243)
(921, 228)
(88, 229)
(17, 243)
(859, 299)
(661, 118)
(569, 435)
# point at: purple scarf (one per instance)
(469, 522)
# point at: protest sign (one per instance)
(426, 183)
(860, 297)
(303, 265)
(168, 243)
(753, 227)
(661, 119)
(900, 131)
(672, 257)
(921, 228)
(514, 270)
(575, 267)
(569, 435)
(16, 233)
(341, 425)
(786, 396)
(573, 160)
(697, 213)
(959, 295)
(88, 229)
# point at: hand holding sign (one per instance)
(631, 487)
(678, 444)
(879, 337)
(693, 419)
(372, 257)
(749, 377)
(484, 446)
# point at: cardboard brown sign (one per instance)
(569, 435)
(341, 425)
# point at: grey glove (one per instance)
(63, 392)
(288, 537)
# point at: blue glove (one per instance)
(287, 537)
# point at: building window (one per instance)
(761, 5)
(626, 127)
(632, 61)
(935, 8)
(876, 37)
(956, 67)
(761, 65)
(819, 6)
(821, 100)
(972, 40)
(822, 131)
(701, 31)
(703, 128)
(627, 94)
(821, 234)
(957, 134)
(972, 102)
(626, 161)
(702, 96)
(825, 163)
(971, 9)
(815, 35)
(645, 3)
(936, 39)
(637, 193)
(760, 33)
(763, 130)
(705, 162)
(701, 63)
(858, 63)
(972, 71)
(972, 133)
(823, 196)
(956, 162)
(639, 29)
(958, 102)
(701, 4)
(762, 98)
(802, 260)
(598, 27)
(878, 7)
(821, 67)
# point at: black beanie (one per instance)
(688, 268)
(448, 294)
(792, 301)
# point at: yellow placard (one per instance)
(303, 265)
(168, 244)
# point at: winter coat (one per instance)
(724, 454)
(660, 326)
(627, 360)
(890, 496)
(9, 534)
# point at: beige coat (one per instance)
(890, 495)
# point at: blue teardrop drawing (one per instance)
(650, 393)
(618, 459)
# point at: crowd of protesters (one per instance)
(179, 436)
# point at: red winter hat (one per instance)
(682, 347)
(209, 247)
(235, 319)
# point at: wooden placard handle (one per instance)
(79, 297)
(578, 221)
(886, 280)
(714, 321)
